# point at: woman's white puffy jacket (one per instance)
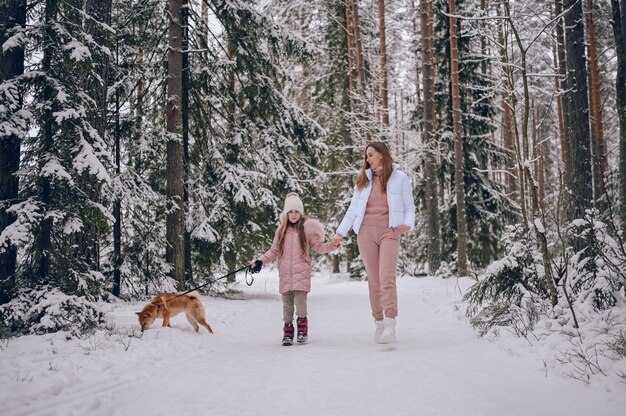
(399, 199)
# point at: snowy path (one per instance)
(438, 367)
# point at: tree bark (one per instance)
(12, 15)
(185, 126)
(418, 92)
(483, 40)
(559, 102)
(508, 137)
(350, 51)
(384, 93)
(175, 227)
(461, 227)
(619, 33)
(577, 104)
(117, 204)
(563, 85)
(595, 104)
(358, 50)
(428, 136)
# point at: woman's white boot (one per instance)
(389, 331)
(379, 330)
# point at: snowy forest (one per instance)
(147, 146)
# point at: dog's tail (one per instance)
(195, 294)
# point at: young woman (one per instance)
(382, 209)
(292, 241)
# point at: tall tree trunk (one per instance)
(358, 50)
(508, 137)
(384, 93)
(350, 51)
(175, 223)
(537, 154)
(559, 101)
(577, 103)
(483, 40)
(97, 85)
(619, 32)
(595, 104)
(461, 227)
(563, 84)
(12, 15)
(232, 153)
(43, 235)
(185, 125)
(416, 32)
(117, 204)
(428, 135)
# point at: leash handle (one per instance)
(251, 277)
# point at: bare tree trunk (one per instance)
(350, 41)
(508, 137)
(619, 32)
(563, 84)
(559, 102)
(538, 216)
(461, 227)
(117, 204)
(418, 94)
(185, 126)
(428, 135)
(595, 104)
(384, 93)
(358, 49)
(175, 224)
(538, 155)
(483, 41)
(12, 15)
(577, 103)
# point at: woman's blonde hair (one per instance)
(361, 179)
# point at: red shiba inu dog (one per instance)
(167, 305)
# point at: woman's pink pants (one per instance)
(379, 248)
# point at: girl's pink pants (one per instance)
(379, 248)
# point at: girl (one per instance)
(382, 209)
(292, 241)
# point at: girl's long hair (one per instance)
(282, 232)
(361, 179)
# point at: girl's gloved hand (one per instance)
(256, 266)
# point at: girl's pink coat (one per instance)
(294, 266)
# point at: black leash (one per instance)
(215, 280)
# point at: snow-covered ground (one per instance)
(439, 366)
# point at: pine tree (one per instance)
(12, 131)
(250, 143)
(65, 164)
